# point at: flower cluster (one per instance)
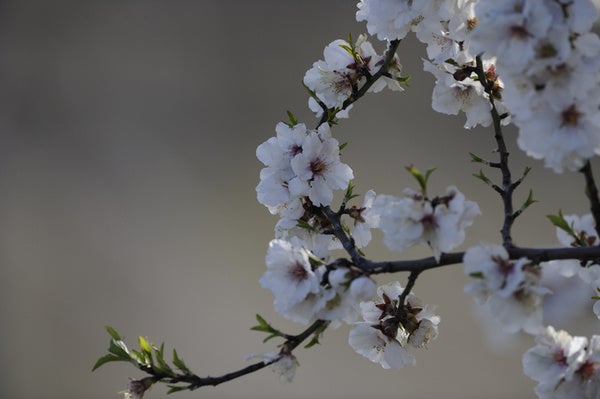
(415, 219)
(445, 26)
(300, 163)
(306, 290)
(550, 64)
(344, 70)
(510, 289)
(564, 366)
(578, 232)
(389, 327)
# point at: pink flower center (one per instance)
(298, 272)
(318, 167)
(587, 370)
(559, 357)
(570, 116)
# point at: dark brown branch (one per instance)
(345, 239)
(536, 255)
(591, 191)
(195, 382)
(508, 187)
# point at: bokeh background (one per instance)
(127, 178)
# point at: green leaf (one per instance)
(144, 345)
(452, 62)
(477, 275)
(108, 358)
(305, 225)
(422, 179)
(318, 333)
(179, 363)
(119, 349)
(403, 80)
(349, 194)
(160, 360)
(477, 159)
(262, 325)
(529, 201)
(292, 118)
(173, 389)
(560, 222)
(269, 337)
(342, 146)
(113, 333)
(141, 357)
(481, 176)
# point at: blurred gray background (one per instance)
(127, 175)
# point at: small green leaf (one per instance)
(141, 357)
(529, 201)
(144, 345)
(403, 80)
(342, 146)
(106, 359)
(262, 325)
(173, 389)
(349, 194)
(305, 225)
(560, 222)
(422, 179)
(161, 365)
(481, 176)
(477, 275)
(452, 62)
(113, 333)
(317, 334)
(179, 363)
(292, 118)
(119, 349)
(269, 337)
(478, 159)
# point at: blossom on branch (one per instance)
(345, 69)
(510, 289)
(564, 366)
(389, 327)
(284, 365)
(414, 219)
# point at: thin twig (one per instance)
(507, 185)
(195, 382)
(591, 191)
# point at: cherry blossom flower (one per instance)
(414, 219)
(555, 358)
(284, 365)
(289, 275)
(344, 70)
(510, 290)
(318, 169)
(390, 327)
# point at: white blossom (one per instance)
(414, 219)
(390, 327)
(318, 169)
(289, 275)
(344, 69)
(284, 365)
(510, 289)
(556, 357)
(564, 366)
